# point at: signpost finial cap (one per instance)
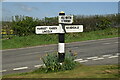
(62, 13)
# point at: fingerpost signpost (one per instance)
(65, 26)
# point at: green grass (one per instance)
(81, 71)
(35, 40)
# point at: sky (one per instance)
(51, 9)
(60, 0)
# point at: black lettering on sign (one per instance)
(62, 20)
(68, 17)
(67, 20)
(52, 27)
(62, 17)
(42, 28)
(47, 31)
(72, 27)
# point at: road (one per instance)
(92, 52)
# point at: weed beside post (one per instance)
(52, 63)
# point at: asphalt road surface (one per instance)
(92, 52)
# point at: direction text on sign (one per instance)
(73, 28)
(47, 29)
(67, 19)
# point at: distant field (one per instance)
(99, 71)
(34, 40)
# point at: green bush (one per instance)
(103, 24)
(69, 62)
(52, 63)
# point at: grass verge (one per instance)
(34, 40)
(81, 71)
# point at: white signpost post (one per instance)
(65, 26)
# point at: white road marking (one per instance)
(78, 59)
(106, 55)
(113, 57)
(20, 68)
(92, 57)
(83, 61)
(106, 43)
(3, 71)
(98, 59)
(38, 66)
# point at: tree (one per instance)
(24, 25)
(103, 23)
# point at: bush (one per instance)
(69, 62)
(103, 24)
(52, 63)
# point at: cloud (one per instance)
(2, 0)
(28, 8)
(25, 7)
